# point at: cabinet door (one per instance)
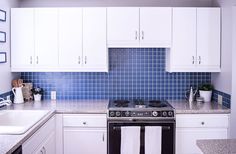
(48, 146)
(95, 56)
(46, 37)
(70, 37)
(186, 138)
(183, 52)
(123, 27)
(22, 38)
(84, 141)
(208, 38)
(155, 27)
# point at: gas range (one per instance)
(140, 109)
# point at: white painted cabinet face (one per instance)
(48, 146)
(183, 50)
(22, 38)
(208, 37)
(70, 37)
(123, 26)
(46, 37)
(155, 26)
(84, 141)
(94, 38)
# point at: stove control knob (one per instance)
(118, 114)
(164, 113)
(155, 113)
(170, 114)
(127, 114)
(112, 114)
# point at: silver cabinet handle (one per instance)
(103, 137)
(84, 123)
(79, 60)
(136, 35)
(41, 151)
(199, 59)
(44, 150)
(142, 35)
(193, 60)
(85, 60)
(203, 123)
(31, 60)
(37, 60)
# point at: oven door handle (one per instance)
(142, 128)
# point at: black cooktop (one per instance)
(138, 103)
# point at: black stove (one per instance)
(140, 109)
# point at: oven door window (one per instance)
(167, 136)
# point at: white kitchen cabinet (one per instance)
(70, 38)
(139, 27)
(193, 127)
(123, 26)
(22, 38)
(155, 26)
(48, 146)
(195, 40)
(43, 140)
(95, 55)
(85, 133)
(208, 38)
(46, 37)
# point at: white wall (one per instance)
(76, 3)
(5, 75)
(223, 80)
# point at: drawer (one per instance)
(84, 120)
(39, 136)
(202, 120)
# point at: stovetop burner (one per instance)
(121, 103)
(157, 103)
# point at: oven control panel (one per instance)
(141, 113)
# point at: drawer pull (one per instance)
(84, 123)
(203, 123)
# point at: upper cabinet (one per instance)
(77, 39)
(195, 40)
(94, 39)
(46, 37)
(139, 27)
(59, 39)
(22, 38)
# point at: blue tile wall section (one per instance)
(4, 95)
(133, 73)
(226, 97)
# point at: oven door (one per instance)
(167, 140)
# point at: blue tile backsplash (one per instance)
(226, 97)
(133, 73)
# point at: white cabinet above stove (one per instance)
(139, 27)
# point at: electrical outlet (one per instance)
(53, 95)
(220, 99)
(8, 97)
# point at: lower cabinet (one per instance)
(193, 127)
(85, 134)
(42, 141)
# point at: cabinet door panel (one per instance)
(84, 141)
(70, 37)
(46, 37)
(155, 27)
(186, 138)
(123, 26)
(208, 37)
(47, 146)
(184, 38)
(94, 39)
(22, 38)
